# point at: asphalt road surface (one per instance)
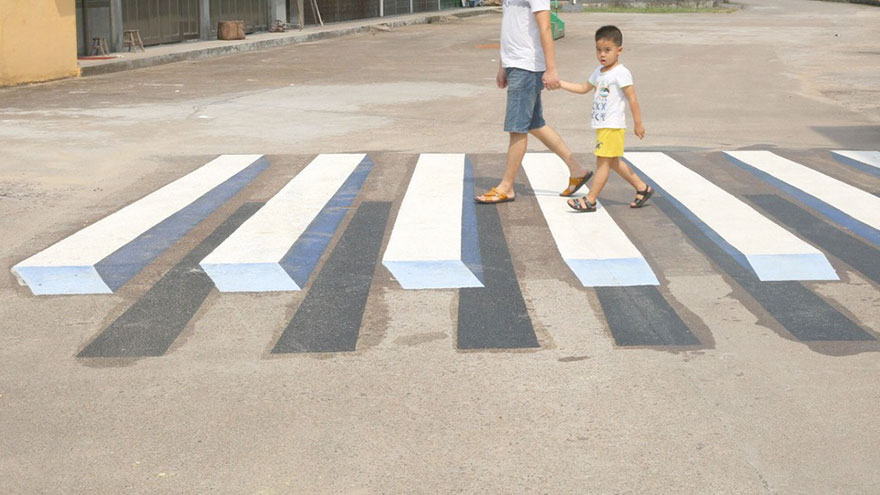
(715, 379)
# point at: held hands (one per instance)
(551, 79)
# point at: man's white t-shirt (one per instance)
(520, 37)
(609, 103)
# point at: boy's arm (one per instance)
(578, 88)
(630, 94)
(551, 77)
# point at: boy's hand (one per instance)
(501, 78)
(636, 111)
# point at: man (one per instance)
(528, 65)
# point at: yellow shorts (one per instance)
(609, 142)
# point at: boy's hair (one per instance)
(610, 33)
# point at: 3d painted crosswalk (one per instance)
(773, 254)
(436, 245)
(614, 261)
(437, 238)
(103, 256)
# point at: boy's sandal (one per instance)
(575, 183)
(581, 206)
(640, 201)
(494, 196)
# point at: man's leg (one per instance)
(515, 153)
(553, 141)
(523, 109)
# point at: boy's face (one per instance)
(607, 52)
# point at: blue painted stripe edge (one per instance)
(852, 162)
(470, 240)
(302, 258)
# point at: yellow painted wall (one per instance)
(37, 40)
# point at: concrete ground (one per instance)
(750, 410)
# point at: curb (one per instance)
(273, 43)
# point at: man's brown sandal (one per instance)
(575, 183)
(494, 196)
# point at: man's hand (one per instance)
(551, 79)
(501, 78)
(640, 130)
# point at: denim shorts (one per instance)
(524, 110)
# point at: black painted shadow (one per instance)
(494, 316)
(641, 316)
(153, 322)
(802, 313)
(330, 315)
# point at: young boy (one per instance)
(612, 82)
(526, 66)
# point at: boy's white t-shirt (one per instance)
(609, 103)
(520, 37)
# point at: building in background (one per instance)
(172, 21)
(40, 40)
(168, 21)
(37, 41)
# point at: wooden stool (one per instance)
(230, 30)
(99, 46)
(132, 39)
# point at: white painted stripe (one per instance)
(859, 205)
(249, 259)
(69, 264)
(771, 251)
(592, 244)
(425, 248)
(871, 158)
